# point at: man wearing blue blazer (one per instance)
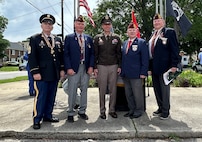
(135, 62)
(164, 55)
(79, 64)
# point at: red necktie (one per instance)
(128, 46)
(153, 41)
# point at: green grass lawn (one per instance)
(20, 78)
(9, 68)
(12, 68)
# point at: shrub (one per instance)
(187, 78)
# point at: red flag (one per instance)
(85, 5)
(135, 23)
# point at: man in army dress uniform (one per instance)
(107, 65)
(46, 65)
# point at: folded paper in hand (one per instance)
(169, 76)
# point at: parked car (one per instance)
(196, 66)
(12, 63)
(22, 66)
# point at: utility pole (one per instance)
(74, 13)
(62, 16)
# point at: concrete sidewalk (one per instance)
(16, 117)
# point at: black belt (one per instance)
(82, 62)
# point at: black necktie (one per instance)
(107, 37)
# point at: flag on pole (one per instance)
(85, 5)
(173, 9)
(135, 22)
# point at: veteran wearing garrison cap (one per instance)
(107, 65)
(164, 55)
(46, 65)
(134, 68)
(79, 64)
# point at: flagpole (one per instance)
(157, 3)
(78, 10)
(62, 15)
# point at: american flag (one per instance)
(85, 5)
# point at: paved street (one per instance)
(13, 74)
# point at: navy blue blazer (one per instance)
(166, 54)
(72, 52)
(136, 61)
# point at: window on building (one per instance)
(12, 52)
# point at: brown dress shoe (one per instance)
(113, 114)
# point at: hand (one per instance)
(62, 74)
(37, 76)
(143, 76)
(90, 70)
(173, 69)
(70, 72)
(119, 71)
(149, 73)
(95, 72)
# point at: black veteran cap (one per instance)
(157, 16)
(106, 20)
(47, 18)
(80, 19)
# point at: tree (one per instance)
(192, 42)
(3, 42)
(120, 12)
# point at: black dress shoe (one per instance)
(113, 114)
(70, 119)
(76, 106)
(103, 116)
(83, 116)
(37, 125)
(128, 114)
(53, 119)
(157, 112)
(135, 116)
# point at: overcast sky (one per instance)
(23, 16)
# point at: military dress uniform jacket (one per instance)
(136, 61)
(166, 52)
(107, 52)
(72, 52)
(42, 61)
